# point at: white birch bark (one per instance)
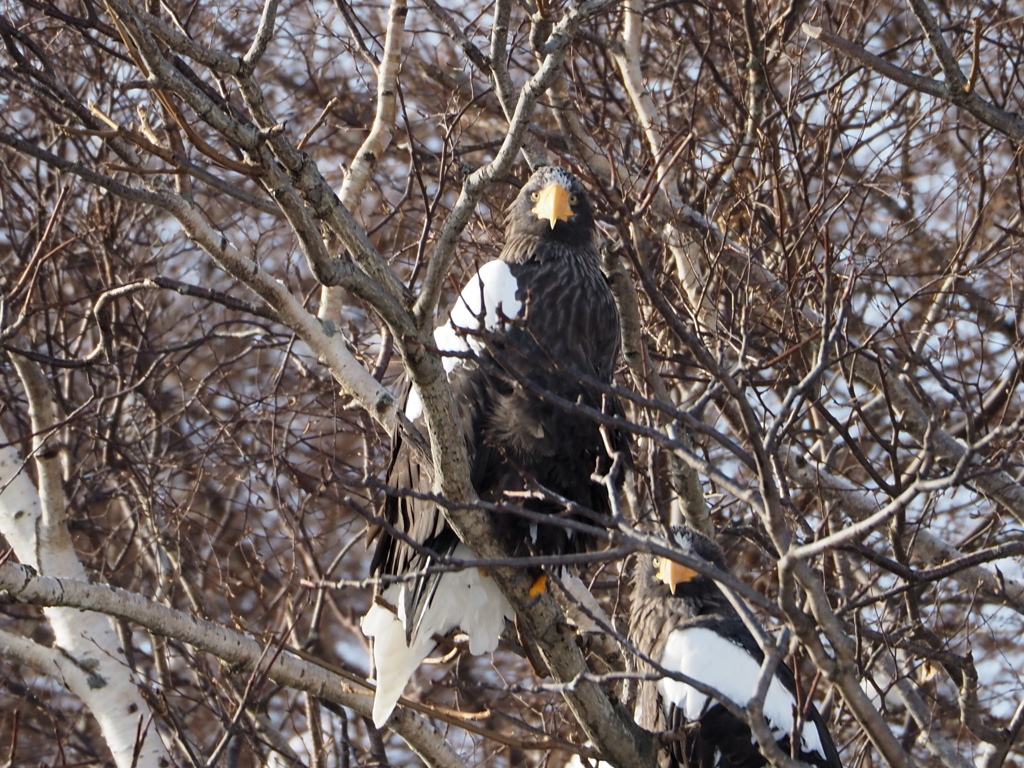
(377, 141)
(230, 645)
(692, 263)
(87, 657)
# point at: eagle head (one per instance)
(553, 205)
(683, 581)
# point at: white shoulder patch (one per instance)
(708, 657)
(491, 289)
(489, 296)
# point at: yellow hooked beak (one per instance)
(553, 204)
(673, 573)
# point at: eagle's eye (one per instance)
(656, 562)
(535, 196)
(573, 199)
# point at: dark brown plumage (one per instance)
(535, 318)
(683, 621)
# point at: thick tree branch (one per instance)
(859, 504)
(377, 141)
(35, 525)
(1010, 124)
(21, 584)
(354, 379)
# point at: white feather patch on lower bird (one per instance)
(489, 296)
(719, 663)
(576, 762)
(466, 599)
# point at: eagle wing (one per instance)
(722, 654)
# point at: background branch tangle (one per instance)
(814, 240)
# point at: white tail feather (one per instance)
(393, 660)
(466, 599)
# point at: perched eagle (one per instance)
(534, 319)
(684, 622)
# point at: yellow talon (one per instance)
(539, 586)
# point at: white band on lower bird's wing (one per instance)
(719, 663)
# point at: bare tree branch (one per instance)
(22, 584)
